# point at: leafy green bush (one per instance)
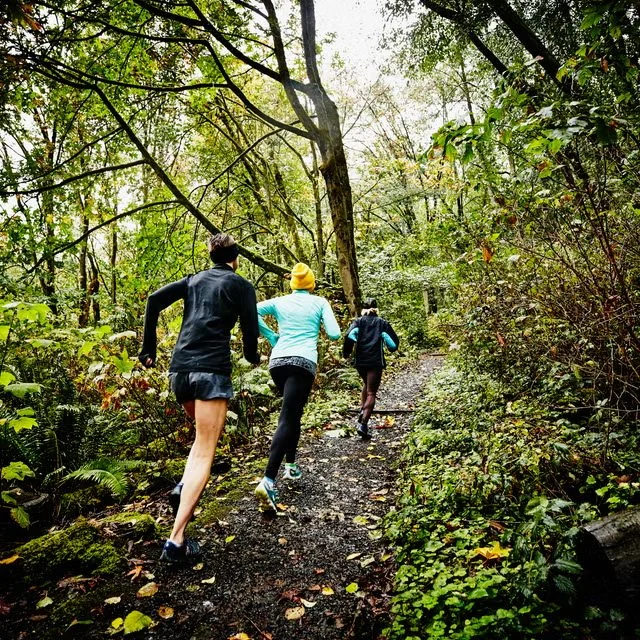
(490, 507)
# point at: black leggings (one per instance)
(371, 379)
(294, 384)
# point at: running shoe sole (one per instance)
(266, 501)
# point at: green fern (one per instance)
(107, 473)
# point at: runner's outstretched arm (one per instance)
(157, 302)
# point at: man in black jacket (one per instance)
(369, 334)
(200, 368)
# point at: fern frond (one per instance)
(107, 473)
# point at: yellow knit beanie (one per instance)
(302, 277)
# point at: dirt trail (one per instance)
(263, 566)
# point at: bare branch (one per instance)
(86, 174)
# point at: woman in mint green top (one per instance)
(293, 364)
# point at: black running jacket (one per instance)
(213, 301)
(369, 347)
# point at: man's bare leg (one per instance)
(209, 416)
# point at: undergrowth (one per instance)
(493, 492)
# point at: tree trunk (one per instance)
(314, 174)
(113, 261)
(334, 168)
(609, 552)
(83, 315)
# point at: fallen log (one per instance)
(383, 411)
(609, 552)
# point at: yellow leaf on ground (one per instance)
(114, 600)
(228, 539)
(360, 520)
(492, 552)
(210, 580)
(199, 566)
(117, 623)
(327, 591)
(353, 556)
(239, 636)
(10, 559)
(148, 590)
(351, 588)
(294, 613)
(165, 612)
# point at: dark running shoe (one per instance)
(363, 431)
(186, 552)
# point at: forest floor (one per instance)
(318, 570)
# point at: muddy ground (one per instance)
(319, 570)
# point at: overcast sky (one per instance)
(358, 25)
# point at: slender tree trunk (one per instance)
(113, 262)
(83, 315)
(334, 164)
(314, 175)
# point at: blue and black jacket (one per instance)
(369, 334)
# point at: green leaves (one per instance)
(21, 389)
(16, 471)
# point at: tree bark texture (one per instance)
(334, 169)
(609, 551)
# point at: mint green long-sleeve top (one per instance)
(299, 316)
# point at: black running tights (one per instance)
(294, 383)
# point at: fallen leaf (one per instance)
(361, 520)
(375, 535)
(10, 559)
(282, 540)
(199, 566)
(136, 621)
(493, 552)
(135, 572)
(148, 590)
(314, 587)
(327, 591)
(378, 498)
(117, 623)
(290, 594)
(210, 580)
(192, 587)
(295, 613)
(367, 561)
(76, 622)
(239, 636)
(353, 556)
(165, 612)
(351, 588)
(385, 556)
(45, 602)
(308, 603)
(148, 575)
(113, 600)
(228, 539)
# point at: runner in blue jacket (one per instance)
(369, 334)
(292, 365)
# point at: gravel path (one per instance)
(319, 570)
